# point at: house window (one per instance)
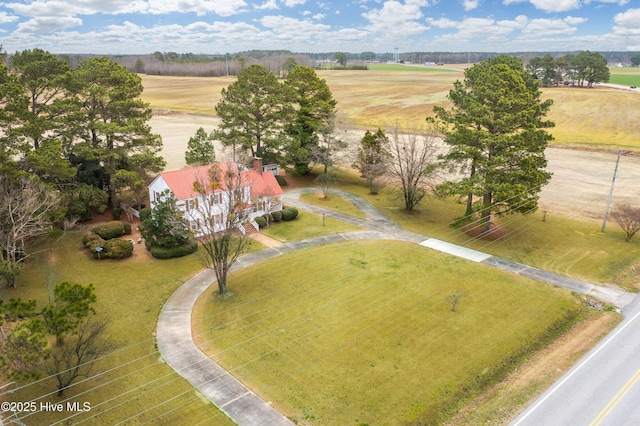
(194, 225)
(192, 204)
(216, 198)
(217, 219)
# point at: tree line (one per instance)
(584, 69)
(72, 141)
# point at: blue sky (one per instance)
(220, 26)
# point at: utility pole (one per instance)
(613, 182)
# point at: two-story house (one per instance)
(204, 194)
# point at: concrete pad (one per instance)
(455, 250)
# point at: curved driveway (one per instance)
(175, 340)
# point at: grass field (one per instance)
(602, 117)
(306, 225)
(626, 79)
(366, 335)
(410, 68)
(568, 246)
(333, 202)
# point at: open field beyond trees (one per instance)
(599, 117)
(381, 345)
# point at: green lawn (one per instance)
(333, 202)
(137, 384)
(363, 333)
(561, 244)
(306, 225)
(626, 79)
(409, 68)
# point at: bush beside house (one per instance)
(289, 213)
(190, 246)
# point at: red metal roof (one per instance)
(181, 182)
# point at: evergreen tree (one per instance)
(315, 112)
(373, 159)
(200, 149)
(496, 135)
(254, 111)
(109, 121)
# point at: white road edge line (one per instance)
(575, 371)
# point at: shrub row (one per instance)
(111, 249)
(113, 229)
(261, 221)
(170, 252)
(289, 213)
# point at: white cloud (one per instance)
(470, 4)
(396, 18)
(618, 2)
(268, 5)
(285, 24)
(499, 35)
(629, 19)
(51, 8)
(200, 7)
(547, 27)
(573, 20)
(627, 27)
(47, 24)
(318, 16)
(6, 18)
(550, 5)
(556, 5)
(292, 3)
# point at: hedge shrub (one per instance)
(111, 249)
(109, 230)
(92, 238)
(261, 221)
(117, 249)
(277, 216)
(281, 180)
(169, 252)
(289, 213)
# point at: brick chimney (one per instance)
(257, 164)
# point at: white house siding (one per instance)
(195, 208)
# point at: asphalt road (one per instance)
(603, 388)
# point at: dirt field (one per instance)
(580, 185)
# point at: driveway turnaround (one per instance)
(239, 403)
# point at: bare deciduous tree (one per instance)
(628, 218)
(224, 203)
(413, 163)
(25, 211)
